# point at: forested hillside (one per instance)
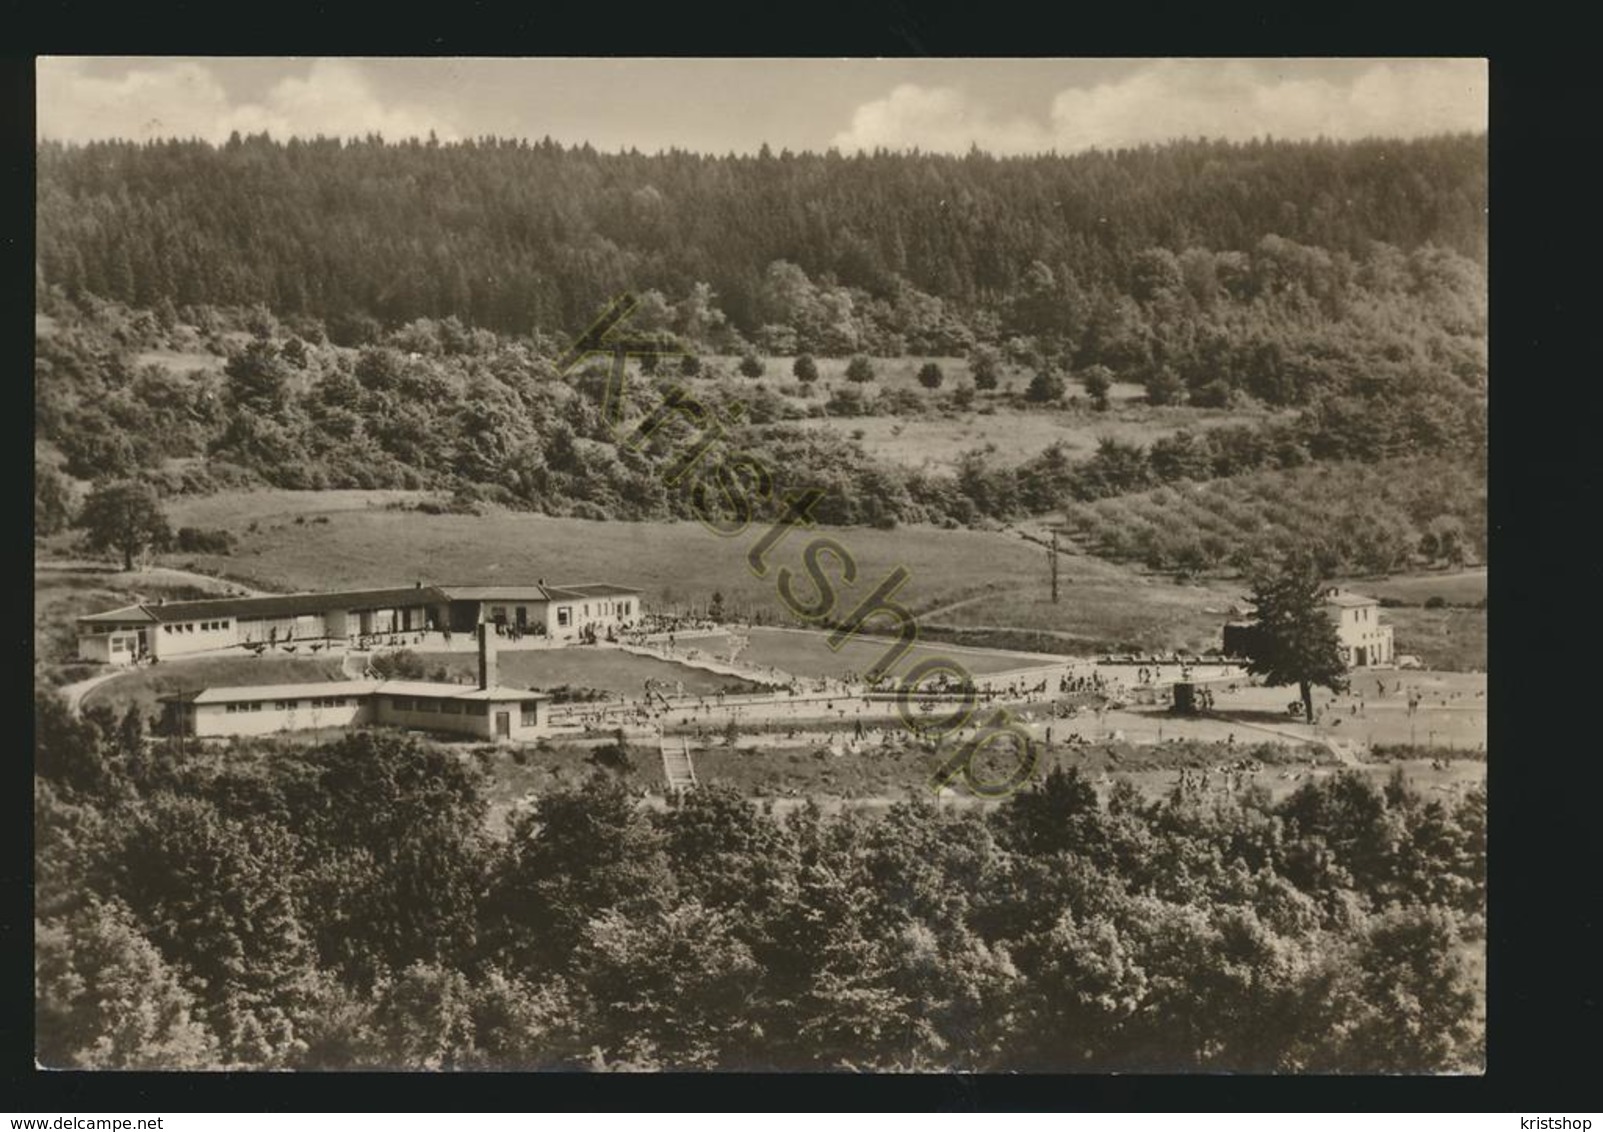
(512, 235)
(320, 315)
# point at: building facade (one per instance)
(493, 714)
(162, 630)
(562, 613)
(1363, 640)
(483, 711)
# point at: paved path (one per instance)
(923, 618)
(74, 693)
(1341, 748)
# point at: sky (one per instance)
(1005, 106)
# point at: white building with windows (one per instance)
(1364, 640)
(483, 711)
(162, 630)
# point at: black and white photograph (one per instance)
(760, 565)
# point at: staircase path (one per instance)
(677, 768)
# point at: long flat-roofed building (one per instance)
(163, 630)
(483, 711)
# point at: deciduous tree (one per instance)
(1098, 382)
(125, 516)
(1294, 640)
(108, 1000)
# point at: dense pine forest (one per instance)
(514, 236)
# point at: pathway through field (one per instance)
(74, 693)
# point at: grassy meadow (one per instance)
(604, 670)
(963, 579)
(979, 588)
(1450, 640)
(933, 439)
(1012, 436)
(1455, 587)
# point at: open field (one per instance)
(1102, 608)
(1015, 435)
(142, 685)
(606, 670)
(180, 362)
(1452, 639)
(1456, 587)
(268, 508)
(964, 578)
(1451, 712)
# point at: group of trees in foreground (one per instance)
(344, 906)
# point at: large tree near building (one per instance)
(125, 516)
(1294, 640)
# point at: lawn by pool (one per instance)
(802, 652)
(607, 670)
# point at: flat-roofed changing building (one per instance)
(486, 710)
(166, 629)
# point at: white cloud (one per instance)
(185, 99)
(937, 118)
(1169, 99)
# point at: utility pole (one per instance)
(1054, 558)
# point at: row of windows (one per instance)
(603, 609)
(189, 627)
(498, 613)
(530, 708)
(445, 706)
(292, 705)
